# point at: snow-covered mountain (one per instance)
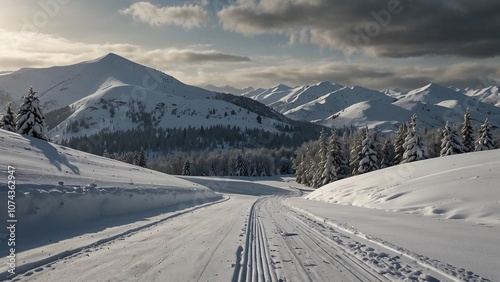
(489, 95)
(112, 94)
(330, 104)
(228, 89)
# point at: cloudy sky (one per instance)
(378, 44)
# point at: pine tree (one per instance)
(356, 152)
(30, 118)
(388, 154)
(8, 120)
(370, 160)
(142, 158)
(320, 162)
(468, 133)
(399, 150)
(299, 164)
(123, 157)
(186, 169)
(136, 159)
(340, 158)
(105, 153)
(240, 168)
(328, 169)
(485, 141)
(451, 143)
(415, 148)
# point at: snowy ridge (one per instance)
(490, 95)
(332, 104)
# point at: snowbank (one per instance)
(55, 184)
(455, 187)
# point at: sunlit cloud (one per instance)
(188, 16)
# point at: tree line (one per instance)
(334, 157)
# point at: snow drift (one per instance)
(461, 187)
(58, 185)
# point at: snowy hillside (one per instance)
(113, 94)
(461, 187)
(330, 104)
(63, 185)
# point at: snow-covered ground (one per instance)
(462, 187)
(446, 208)
(86, 218)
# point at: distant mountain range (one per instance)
(332, 104)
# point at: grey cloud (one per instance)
(208, 56)
(190, 57)
(391, 28)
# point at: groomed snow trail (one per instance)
(286, 244)
(280, 247)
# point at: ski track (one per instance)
(285, 243)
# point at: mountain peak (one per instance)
(281, 87)
(112, 58)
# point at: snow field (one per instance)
(461, 187)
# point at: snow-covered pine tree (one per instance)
(30, 118)
(186, 169)
(356, 152)
(370, 161)
(241, 168)
(486, 139)
(320, 162)
(106, 153)
(299, 165)
(468, 133)
(415, 148)
(123, 157)
(451, 143)
(8, 120)
(340, 158)
(399, 150)
(388, 154)
(328, 169)
(142, 158)
(311, 163)
(136, 158)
